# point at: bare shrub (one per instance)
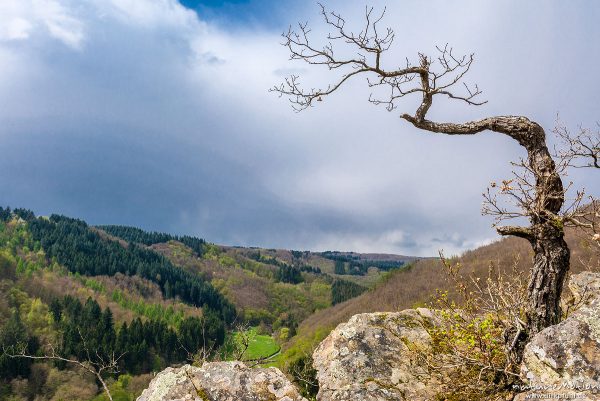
(304, 375)
(479, 333)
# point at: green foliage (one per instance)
(93, 284)
(258, 268)
(86, 332)
(296, 360)
(248, 345)
(339, 267)
(36, 316)
(7, 265)
(304, 376)
(304, 344)
(237, 272)
(145, 346)
(297, 254)
(478, 336)
(24, 214)
(84, 251)
(348, 263)
(201, 333)
(261, 346)
(119, 390)
(5, 214)
(288, 274)
(479, 342)
(342, 290)
(285, 273)
(151, 311)
(18, 249)
(14, 338)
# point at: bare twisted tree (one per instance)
(443, 75)
(95, 363)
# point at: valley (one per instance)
(163, 300)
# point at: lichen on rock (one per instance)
(566, 357)
(368, 358)
(221, 381)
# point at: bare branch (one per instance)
(369, 45)
(582, 148)
(96, 367)
(522, 232)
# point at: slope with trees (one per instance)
(49, 339)
(84, 251)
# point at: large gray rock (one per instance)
(368, 358)
(585, 286)
(220, 381)
(568, 354)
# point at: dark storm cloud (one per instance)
(150, 114)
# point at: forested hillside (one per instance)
(136, 235)
(417, 284)
(148, 299)
(84, 251)
(55, 274)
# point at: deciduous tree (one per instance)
(432, 77)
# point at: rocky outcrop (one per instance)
(220, 381)
(368, 358)
(565, 358)
(371, 358)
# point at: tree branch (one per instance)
(94, 367)
(522, 232)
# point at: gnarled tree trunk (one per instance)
(546, 234)
(551, 260)
(550, 267)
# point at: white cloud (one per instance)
(16, 29)
(20, 18)
(155, 13)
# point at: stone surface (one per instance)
(569, 353)
(368, 359)
(220, 381)
(585, 285)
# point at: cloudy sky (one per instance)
(156, 113)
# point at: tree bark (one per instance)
(550, 267)
(551, 260)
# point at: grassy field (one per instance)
(260, 346)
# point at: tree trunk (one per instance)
(551, 260)
(550, 267)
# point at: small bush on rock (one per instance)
(479, 334)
